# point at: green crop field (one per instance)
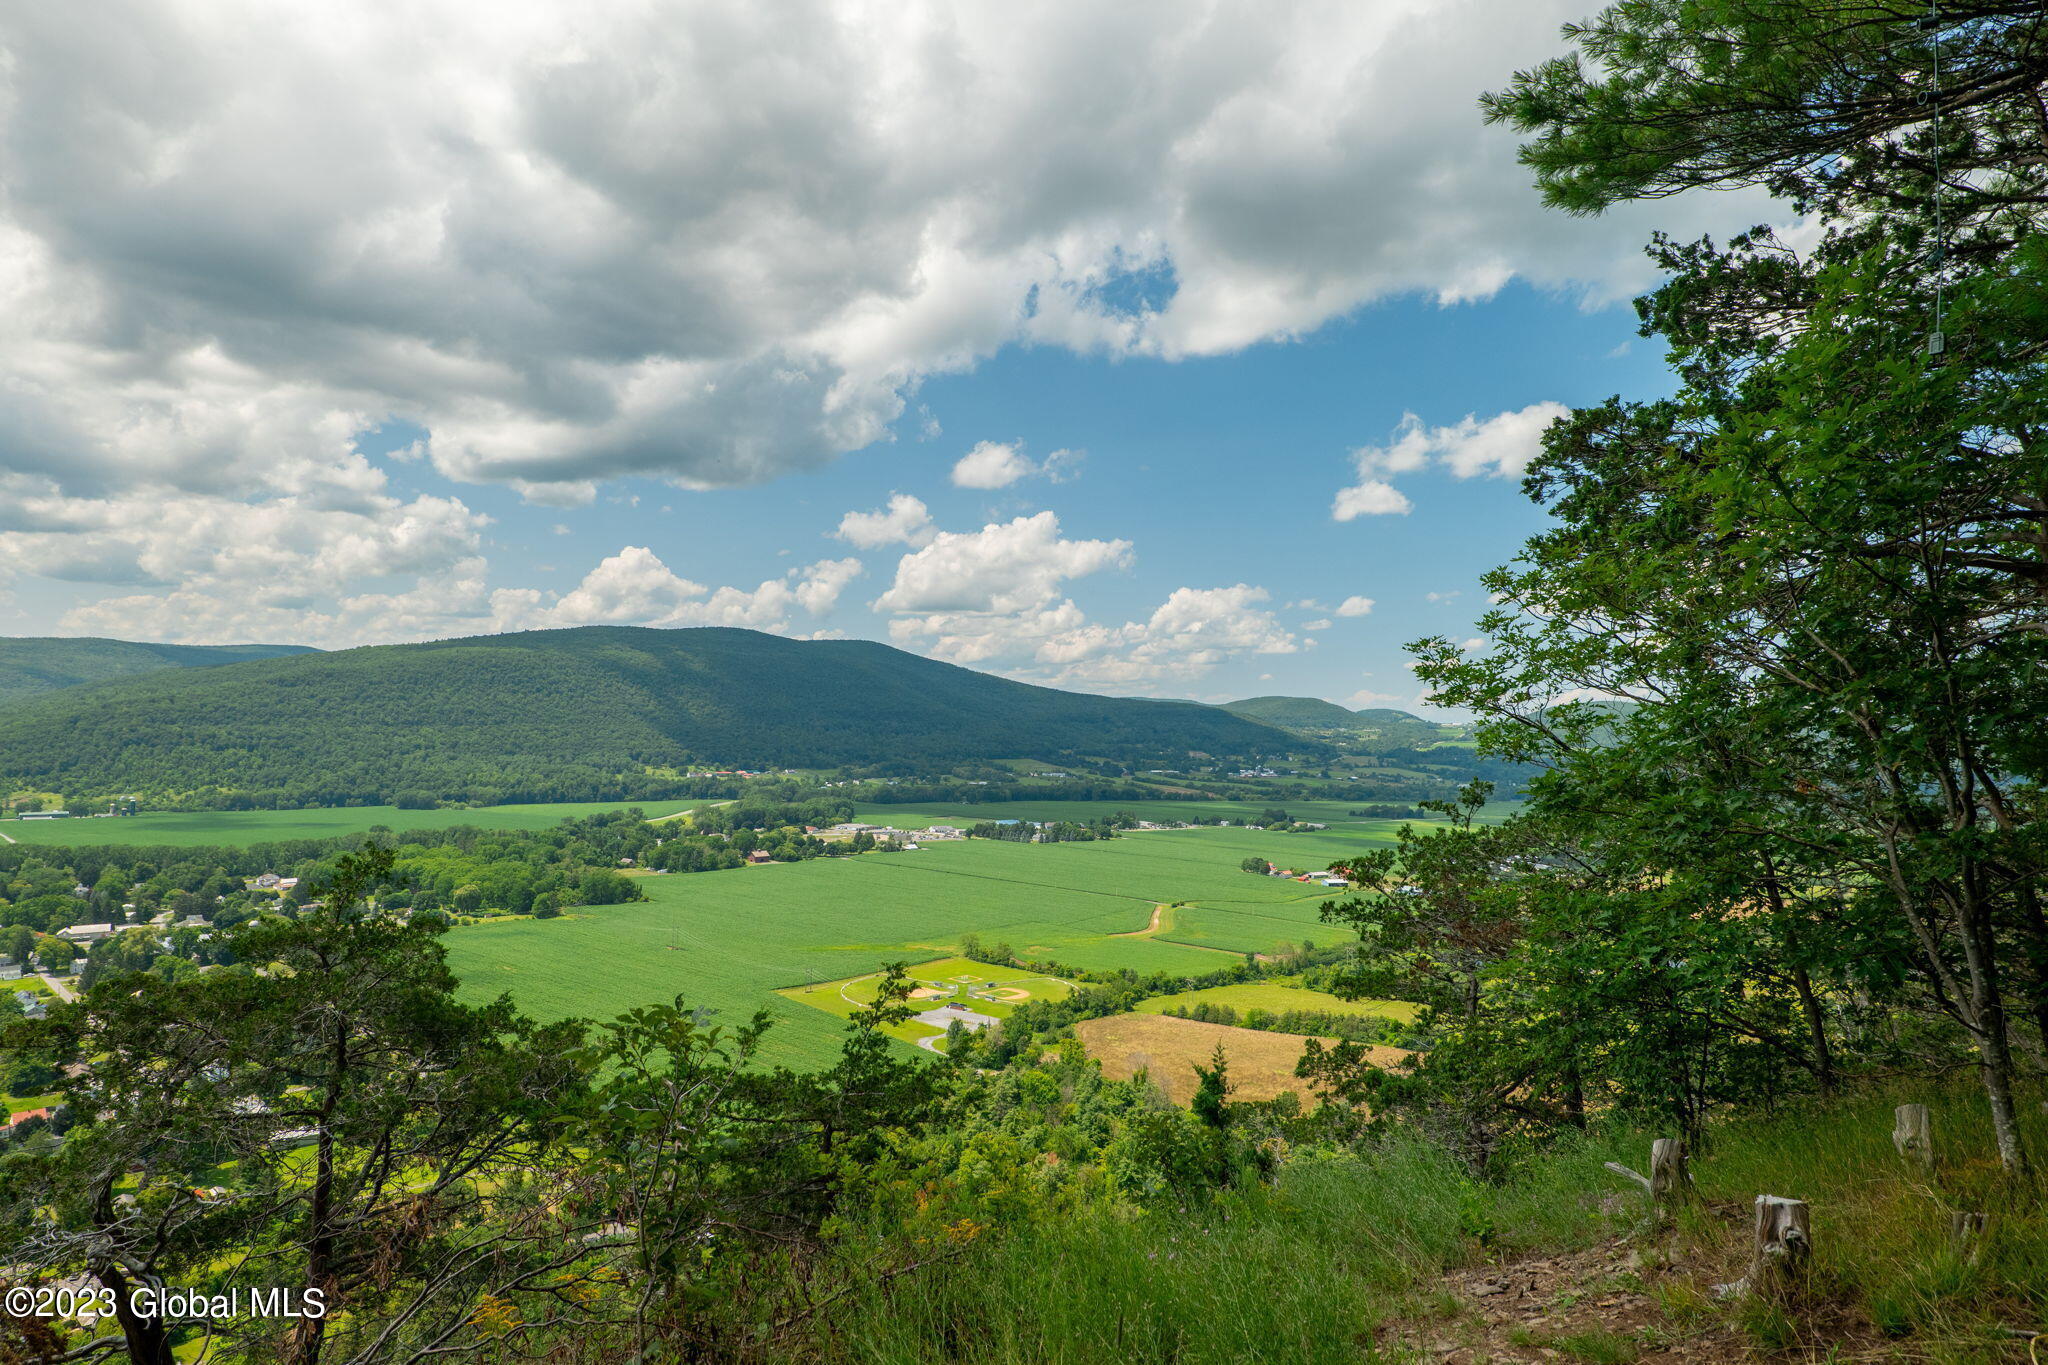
(240, 828)
(732, 940)
(1278, 996)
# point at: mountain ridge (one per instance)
(580, 708)
(31, 665)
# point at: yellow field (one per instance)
(1261, 1064)
(993, 991)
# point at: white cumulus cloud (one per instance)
(1355, 606)
(1004, 567)
(994, 464)
(905, 521)
(1500, 446)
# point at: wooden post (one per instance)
(1784, 1246)
(1913, 1135)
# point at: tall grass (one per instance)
(1882, 1244)
(1297, 1273)
(1301, 1272)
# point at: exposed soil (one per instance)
(1158, 912)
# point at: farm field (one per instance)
(981, 988)
(1261, 1064)
(733, 940)
(188, 829)
(1277, 996)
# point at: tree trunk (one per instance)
(1816, 1029)
(148, 1341)
(1994, 1043)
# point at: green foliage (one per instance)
(588, 714)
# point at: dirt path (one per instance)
(1619, 1301)
(1159, 913)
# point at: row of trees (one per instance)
(1793, 820)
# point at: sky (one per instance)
(1163, 349)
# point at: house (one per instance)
(86, 933)
(25, 1115)
(32, 1005)
(10, 970)
(268, 881)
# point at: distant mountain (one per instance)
(33, 665)
(1302, 713)
(1374, 730)
(554, 714)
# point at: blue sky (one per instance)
(1157, 351)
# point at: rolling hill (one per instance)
(578, 714)
(1295, 713)
(34, 665)
(1313, 715)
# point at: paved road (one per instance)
(63, 991)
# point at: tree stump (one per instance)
(1966, 1233)
(1784, 1248)
(1913, 1135)
(1668, 1183)
(1670, 1172)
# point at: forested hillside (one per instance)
(592, 713)
(33, 665)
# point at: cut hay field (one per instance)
(1261, 1064)
(240, 828)
(732, 940)
(1278, 996)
